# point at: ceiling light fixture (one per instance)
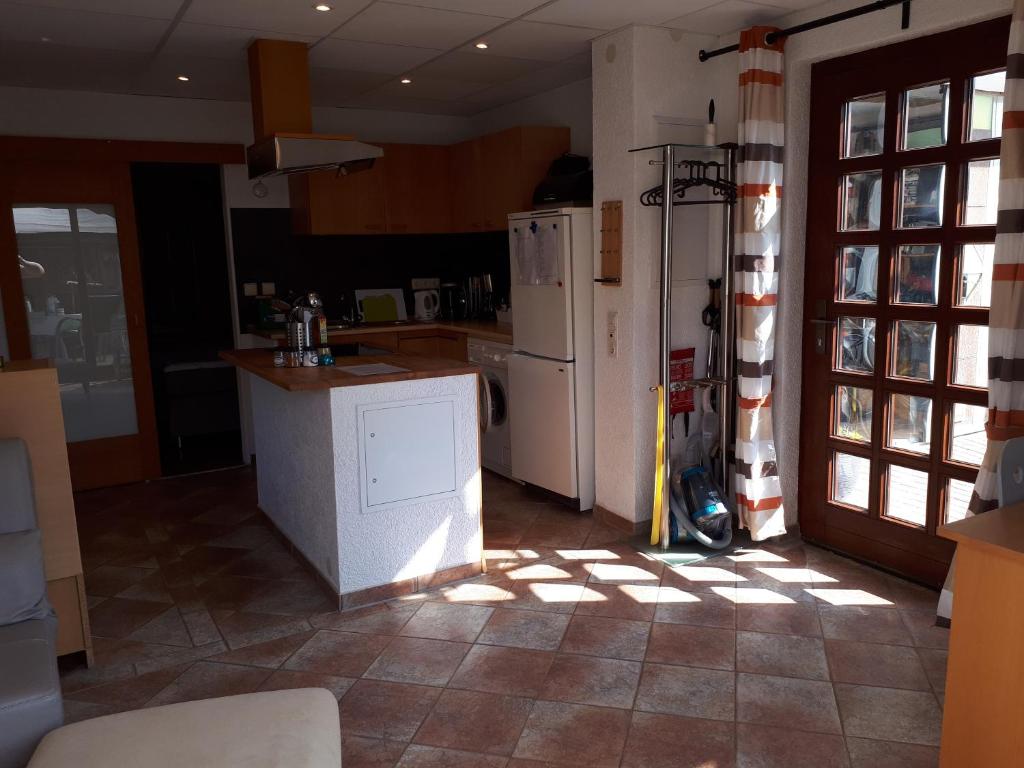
(183, 78)
(482, 45)
(322, 7)
(406, 81)
(44, 39)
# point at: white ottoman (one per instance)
(278, 729)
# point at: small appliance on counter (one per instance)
(426, 298)
(381, 305)
(453, 301)
(307, 334)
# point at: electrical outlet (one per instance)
(267, 289)
(613, 333)
(249, 289)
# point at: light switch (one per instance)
(267, 289)
(249, 289)
(613, 333)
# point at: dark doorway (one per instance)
(180, 220)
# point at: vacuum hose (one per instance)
(682, 515)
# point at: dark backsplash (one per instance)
(266, 251)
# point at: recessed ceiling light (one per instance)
(183, 78)
(482, 45)
(406, 81)
(44, 39)
(322, 7)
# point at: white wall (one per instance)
(569, 105)
(870, 31)
(640, 73)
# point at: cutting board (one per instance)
(381, 305)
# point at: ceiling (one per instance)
(359, 50)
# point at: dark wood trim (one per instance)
(954, 56)
(27, 148)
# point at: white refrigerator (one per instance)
(551, 371)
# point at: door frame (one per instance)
(86, 171)
(913, 552)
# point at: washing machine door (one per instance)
(484, 406)
(493, 402)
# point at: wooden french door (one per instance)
(71, 287)
(903, 193)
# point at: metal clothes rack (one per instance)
(720, 177)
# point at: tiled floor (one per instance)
(573, 650)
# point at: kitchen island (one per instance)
(371, 468)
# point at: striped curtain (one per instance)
(757, 229)
(1006, 316)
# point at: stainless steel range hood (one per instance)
(284, 153)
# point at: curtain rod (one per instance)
(852, 13)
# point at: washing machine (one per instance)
(495, 435)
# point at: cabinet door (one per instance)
(347, 205)
(422, 346)
(467, 186)
(452, 346)
(418, 188)
(501, 167)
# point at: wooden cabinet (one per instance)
(450, 345)
(471, 186)
(424, 345)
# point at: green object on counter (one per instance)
(379, 309)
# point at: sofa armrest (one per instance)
(23, 576)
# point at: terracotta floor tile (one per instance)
(704, 609)
(759, 746)
(77, 711)
(668, 741)
(283, 679)
(490, 590)
(161, 656)
(702, 577)
(633, 569)
(168, 629)
(271, 654)
(783, 655)
(612, 638)
(873, 625)
(117, 617)
(384, 619)
(909, 596)
(296, 598)
(592, 680)
(384, 710)
(923, 629)
(230, 592)
(573, 734)
(207, 560)
(475, 722)
(692, 646)
(619, 601)
(687, 691)
(201, 627)
(361, 752)
(342, 654)
(496, 669)
(268, 562)
(240, 628)
(132, 693)
(204, 680)
(890, 666)
(446, 621)
(418, 660)
(109, 580)
(889, 714)
(786, 702)
(539, 630)
(554, 596)
(248, 537)
(552, 569)
(417, 756)
(865, 753)
(934, 661)
(788, 619)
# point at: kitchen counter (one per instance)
(478, 329)
(261, 363)
(375, 480)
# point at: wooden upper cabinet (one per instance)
(417, 188)
(471, 186)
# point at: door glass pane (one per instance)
(914, 353)
(917, 274)
(906, 496)
(865, 126)
(71, 275)
(921, 190)
(858, 273)
(975, 286)
(967, 433)
(862, 201)
(958, 496)
(910, 423)
(924, 116)
(856, 344)
(853, 413)
(970, 366)
(851, 480)
(982, 203)
(987, 107)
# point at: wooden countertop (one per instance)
(477, 329)
(261, 363)
(1000, 531)
(15, 366)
